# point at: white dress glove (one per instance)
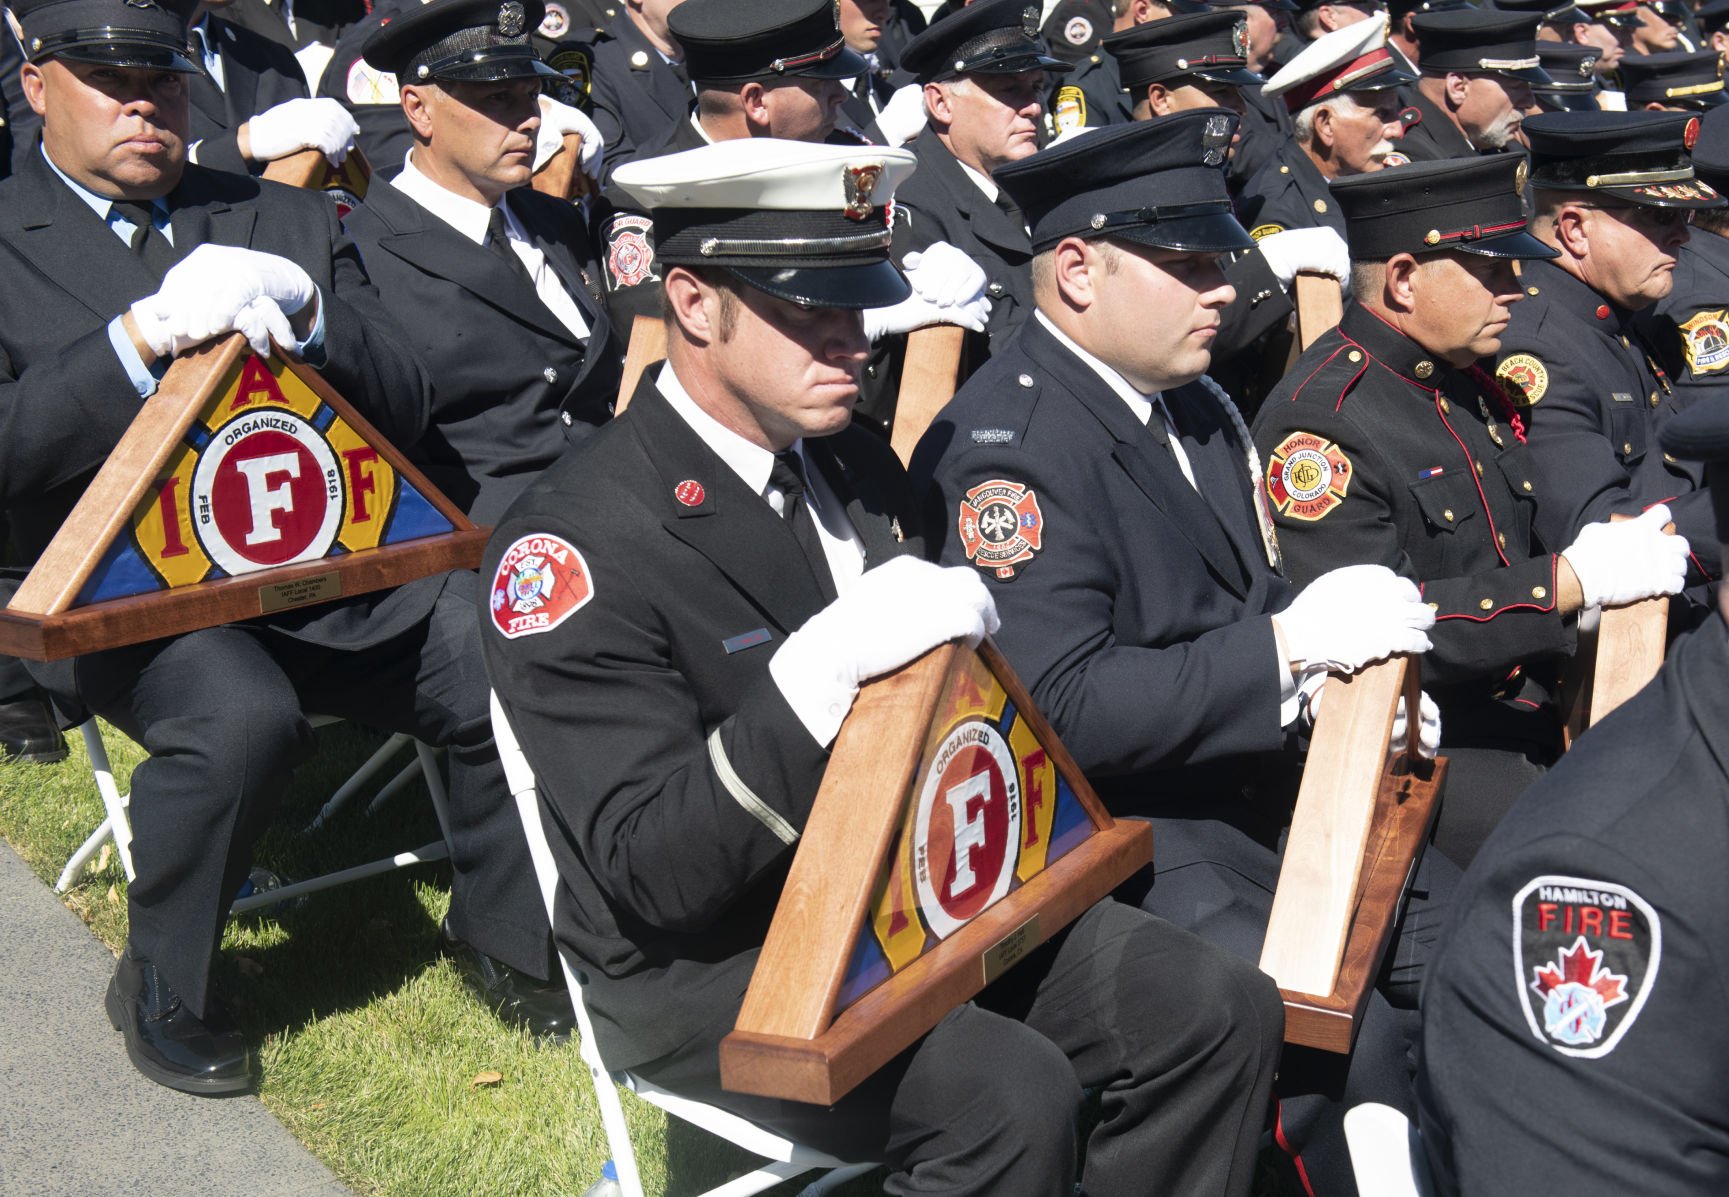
(321, 124)
(556, 120)
(903, 117)
(894, 613)
(1351, 616)
(1428, 729)
(948, 288)
(1623, 561)
(1321, 250)
(218, 289)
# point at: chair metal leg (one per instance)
(89, 848)
(437, 850)
(359, 778)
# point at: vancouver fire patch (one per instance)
(1001, 526)
(1586, 954)
(541, 582)
(1307, 476)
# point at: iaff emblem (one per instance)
(861, 182)
(268, 491)
(1001, 526)
(541, 582)
(1706, 340)
(968, 830)
(1586, 954)
(1307, 476)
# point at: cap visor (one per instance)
(1015, 64)
(1397, 77)
(1235, 76)
(1534, 75)
(132, 54)
(867, 285)
(1513, 245)
(494, 69)
(1652, 197)
(1213, 233)
(848, 64)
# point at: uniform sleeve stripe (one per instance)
(742, 794)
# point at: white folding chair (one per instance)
(117, 825)
(1386, 1153)
(786, 1158)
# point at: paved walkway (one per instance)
(76, 1120)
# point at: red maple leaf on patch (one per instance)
(1581, 966)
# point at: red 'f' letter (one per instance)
(1031, 764)
(172, 545)
(360, 482)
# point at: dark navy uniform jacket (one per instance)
(257, 74)
(510, 383)
(674, 777)
(1601, 395)
(1090, 96)
(1376, 452)
(1266, 126)
(1573, 1020)
(1139, 612)
(1698, 306)
(1288, 192)
(636, 95)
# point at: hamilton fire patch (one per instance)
(1586, 954)
(1001, 526)
(1307, 476)
(541, 582)
(1706, 340)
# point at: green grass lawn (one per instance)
(370, 1044)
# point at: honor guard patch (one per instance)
(1523, 378)
(1070, 109)
(541, 582)
(1001, 526)
(630, 252)
(1307, 476)
(1586, 955)
(1706, 339)
(1265, 230)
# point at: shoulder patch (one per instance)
(1307, 476)
(1265, 230)
(1070, 109)
(1001, 526)
(1706, 340)
(1524, 378)
(368, 86)
(542, 581)
(1078, 32)
(1395, 158)
(630, 252)
(576, 64)
(1585, 955)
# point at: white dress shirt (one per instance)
(470, 218)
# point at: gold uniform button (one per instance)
(1669, 458)
(1501, 539)
(1625, 343)
(1447, 515)
(1479, 466)
(1434, 606)
(1321, 205)
(1354, 356)
(1539, 592)
(1423, 369)
(1487, 605)
(1284, 170)
(1653, 398)
(1627, 447)
(1530, 290)
(1445, 406)
(1525, 486)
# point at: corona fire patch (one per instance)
(1706, 340)
(541, 581)
(1307, 476)
(268, 474)
(1524, 378)
(1001, 526)
(1586, 955)
(987, 810)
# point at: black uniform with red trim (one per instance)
(1375, 451)
(1591, 378)
(1573, 1021)
(1430, 135)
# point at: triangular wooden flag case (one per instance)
(952, 835)
(243, 486)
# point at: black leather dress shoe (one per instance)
(166, 1042)
(28, 732)
(539, 1007)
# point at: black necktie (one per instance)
(148, 244)
(498, 243)
(787, 476)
